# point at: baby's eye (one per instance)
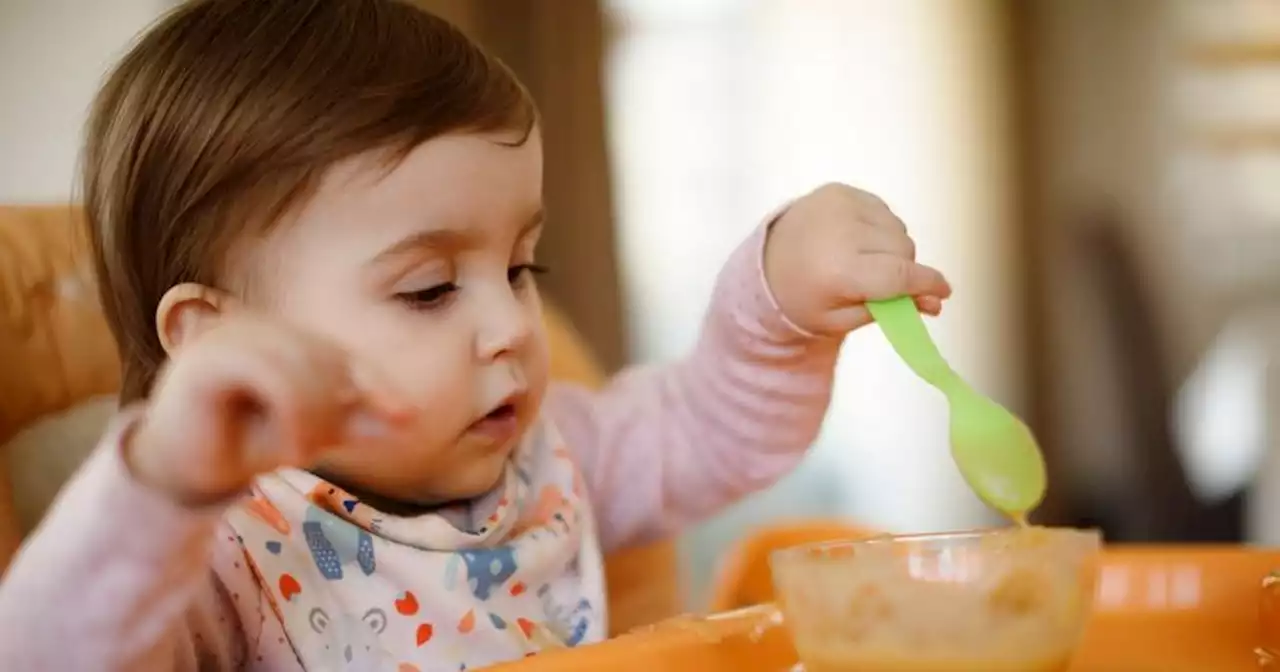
(432, 297)
(521, 272)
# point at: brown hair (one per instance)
(224, 115)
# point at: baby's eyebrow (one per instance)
(535, 222)
(436, 239)
(448, 240)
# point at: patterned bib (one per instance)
(511, 574)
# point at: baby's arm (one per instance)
(663, 447)
(118, 578)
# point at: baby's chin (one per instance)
(463, 489)
(407, 498)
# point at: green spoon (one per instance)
(994, 450)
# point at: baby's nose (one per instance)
(505, 330)
(346, 653)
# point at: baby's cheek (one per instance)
(538, 362)
(436, 379)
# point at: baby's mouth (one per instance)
(498, 425)
(501, 412)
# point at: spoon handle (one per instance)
(905, 329)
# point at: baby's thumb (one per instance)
(920, 280)
(884, 276)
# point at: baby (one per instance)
(314, 225)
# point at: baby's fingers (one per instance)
(885, 276)
(299, 406)
(929, 305)
(273, 416)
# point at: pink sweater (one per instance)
(120, 578)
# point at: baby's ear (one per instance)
(186, 310)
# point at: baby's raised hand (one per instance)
(249, 396)
(837, 248)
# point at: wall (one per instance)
(53, 54)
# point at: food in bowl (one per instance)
(1009, 600)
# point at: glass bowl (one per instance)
(1010, 600)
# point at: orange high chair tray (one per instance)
(1158, 608)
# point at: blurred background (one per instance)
(1099, 178)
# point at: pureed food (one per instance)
(1004, 601)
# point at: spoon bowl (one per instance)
(993, 449)
(996, 453)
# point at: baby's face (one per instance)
(423, 272)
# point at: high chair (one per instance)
(744, 578)
(1157, 608)
(58, 367)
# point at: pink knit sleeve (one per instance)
(666, 446)
(118, 577)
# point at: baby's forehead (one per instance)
(363, 205)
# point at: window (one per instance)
(1224, 98)
(720, 110)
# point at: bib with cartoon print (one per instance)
(357, 590)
